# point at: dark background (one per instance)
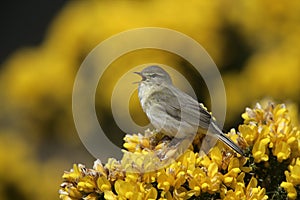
(24, 23)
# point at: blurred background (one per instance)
(255, 44)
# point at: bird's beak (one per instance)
(140, 74)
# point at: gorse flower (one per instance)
(252, 191)
(270, 128)
(293, 178)
(270, 169)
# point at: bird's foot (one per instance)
(175, 148)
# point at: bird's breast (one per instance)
(144, 92)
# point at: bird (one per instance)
(172, 111)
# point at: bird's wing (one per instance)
(182, 107)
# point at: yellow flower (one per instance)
(133, 190)
(166, 195)
(188, 160)
(249, 133)
(74, 174)
(255, 192)
(126, 190)
(216, 155)
(238, 193)
(260, 150)
(164, 181)
(251, 192)
(270, 127)
(109, 195)
(91, 196)
(114, 169)
(293, 178)
(69, 190)
(86, 184)
(230, 178)
(193, 174)
(149, 191)
(206, 181)
(295, 174)
(289, 187)
(282, 150)
(132, 177)
(99, 168)
(103, 184)
(180, 193)
(255, 115)
(197, 177)
(140, 162)
(149, 177)
(132, 142)
(140, 142)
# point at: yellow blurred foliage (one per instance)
(36, 82)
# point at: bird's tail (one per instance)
(221, 136)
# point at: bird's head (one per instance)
(154, 74)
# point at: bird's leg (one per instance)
(175, 148)
(166, 138)
(207, 143)
(175, 142)
(156, 138)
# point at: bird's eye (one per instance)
(153, 75)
